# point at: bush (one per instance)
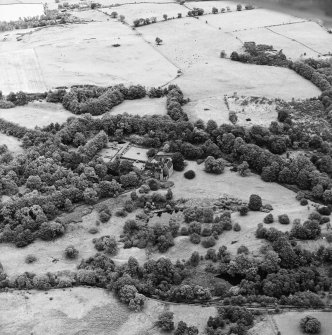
(178, 161)
(324, 210)
(104, 217)
(310, 325)
(243, 210)
(213, 165)
(303, 202)
(93, 230)
(236, 227)
(71, 252)
(195, 238)
(283, 219)
(165, 321)
(209, 242)
(30, 259)
(268, 218)
(255, 202)
(190, 174)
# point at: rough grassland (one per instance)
(36, 114)
(20, 71)
(308, 33)
(88, 311)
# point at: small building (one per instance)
(161, 165)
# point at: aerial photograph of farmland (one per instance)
(165, 167)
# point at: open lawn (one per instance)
(20, 71)
(36, 113)
(145, 106)
(12, 143)
(310, 34)
(88, 311)
(288, 323)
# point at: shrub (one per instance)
(190, 174)
(242, 250)
(236, 227)
(268, 218)
(324, 210)
(104, 217)
(243, 210)
(213, 165)
(195, 238)
(30, 259)
(107, 244)
(71, 252)
(303, 202)
(184, 231)
(310, 325)
(255, 202)
(165, 321)
(283, 219)
(209, 242)
(178, 161)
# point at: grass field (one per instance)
(308, 33)
(36, 114)
(20, 71)
(88, 311)
(12, 143)
(147, 10)
(288, 323)
(290, 48)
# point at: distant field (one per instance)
(20, 70)
(310, 34)
(80, 54)
(147, 10)
(36, 114)
(290, 48)
(249, 19)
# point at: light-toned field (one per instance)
(206, 75)
(13, 12)
(88, 311)
(12, 143)
(250, 19)
(84, 53)
(290, 48)
(147, 10)
(207, 5)
(212, 108)
(20, 71)
(309, 33)
(288, 323)
(36, 114)
(145, 106)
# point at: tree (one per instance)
(310, 325)
(213, 165)
(165, 321)
(71, 252)
(255, 202)
(214, 10)
(239, 7)
(158, 41)
(178, 161)
(165, 17)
